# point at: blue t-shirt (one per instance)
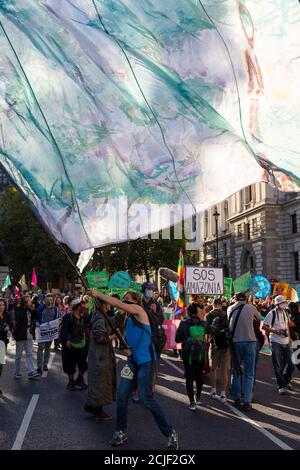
(139, 339)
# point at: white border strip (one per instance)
(245, 418)
(25, 423)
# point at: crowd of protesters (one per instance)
(219, 338)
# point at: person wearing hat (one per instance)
(73, 341)
(276, 325)
(219, 353)
(243, 340)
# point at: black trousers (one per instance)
(193, 373)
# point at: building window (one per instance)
(248, 194)
(254, 226)
(205, 224)
(240, 230)
(294, 223)
(247, 231)
(296, 265)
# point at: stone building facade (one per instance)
(258, 231)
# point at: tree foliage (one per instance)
(27, 244)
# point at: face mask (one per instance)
(281, 306)
(149, 294)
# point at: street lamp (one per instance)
(216, 215)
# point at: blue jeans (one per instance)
(243, 353)
(143, 376)
(256, 361)
(282, 363)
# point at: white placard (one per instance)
(204, 281)
(47, 331)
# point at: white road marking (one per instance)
(25, 423)
(52, 356)
(242, 416)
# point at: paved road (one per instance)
(54, 417)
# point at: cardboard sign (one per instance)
(205, 281)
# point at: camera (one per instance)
(285, 333)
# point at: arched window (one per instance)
(248, 263)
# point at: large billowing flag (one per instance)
(111, 108)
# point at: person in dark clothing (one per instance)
(73, 341)
(191, 333)
(23, 330)
(151, 306)
(5, 327)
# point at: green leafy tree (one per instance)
(28, 245)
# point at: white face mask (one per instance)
(281, 306)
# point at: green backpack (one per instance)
(196, 345)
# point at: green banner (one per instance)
(242, 283)
(228, 281)
(137, 286)
(97, 279)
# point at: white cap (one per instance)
(76, 302)
(280, 300)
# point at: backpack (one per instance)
(195, 345)
(158, 334)
(274, 313)
(221, 338)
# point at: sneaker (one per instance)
(247, 407)
(39, 370)
(198, 401)
(290, 387)
(192, 407)
(282, 391)
(135, 397)
(102, 416)
(33, 375)
(237, 403)
(45, 368)
(118, 438)
(80, 384)
(71, 386)
(213, 395)
(18, 376)
(223, 398)
(173, 441)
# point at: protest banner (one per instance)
(97, 279)
(280, 288)
(205, 281)
(170, 327)
(292, 295)
(47, 331)
(260, 287)
(121, 280)
(228, 281)
(242, 283)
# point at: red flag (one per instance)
(17, 293)
(33, 278)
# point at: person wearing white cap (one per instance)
(276, 325)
